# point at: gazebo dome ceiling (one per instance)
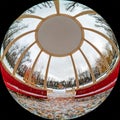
(59, 45)
(71, 48)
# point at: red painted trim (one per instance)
(96, 88)
(17, 86)
(27, 93)
(109, 86)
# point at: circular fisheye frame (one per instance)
(59, 60)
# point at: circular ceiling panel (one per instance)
(56, 32)
(60, 51)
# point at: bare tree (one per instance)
(71, 6)
(25, 59)
(14, 28)
(101, 23)
(47, 4)
(39, 6)
(101, 66)
(96, 72)
(11, 55)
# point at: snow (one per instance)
(19, 77)
(1, 53)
